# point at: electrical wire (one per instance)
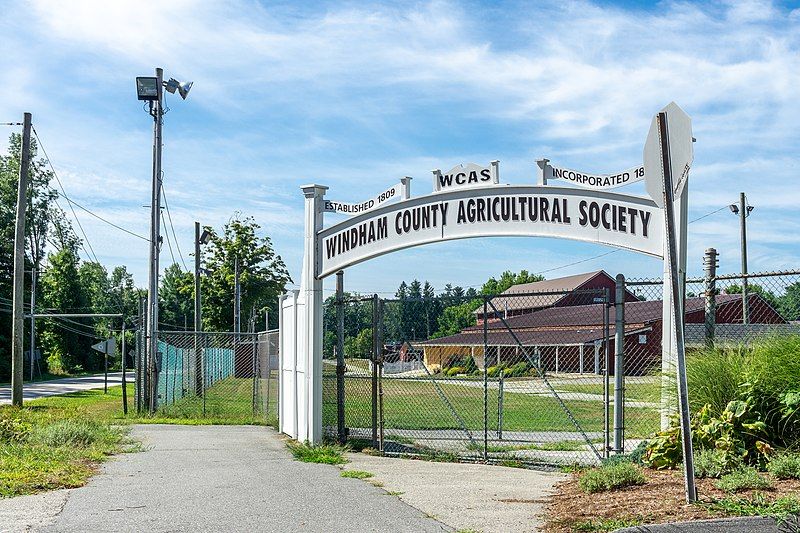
(76, 204)
(169, 243)
(175, 237)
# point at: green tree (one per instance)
(789, 303)
(507, 279)
(263, 275)
(359, 346)
(455, 318)
(66, 345)
(754, 288)
(176, 299)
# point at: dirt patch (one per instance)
(660, 500)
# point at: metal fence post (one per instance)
(374, 370)
(486, 383)
(606, 383)
(380, 374)
(710, 263)
(500, 386)
(619, 365)
(340, 363)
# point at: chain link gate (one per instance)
(495, 386)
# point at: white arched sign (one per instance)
(466, 202)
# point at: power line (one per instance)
(169, 243)
(76, 204)
(175, 237)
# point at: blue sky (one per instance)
(355, 95)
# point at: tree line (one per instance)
(416, 312)
(67, 283)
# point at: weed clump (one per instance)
(329, 454)
(611, 476)
(743, 478)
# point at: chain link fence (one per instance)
(227, 377)
(527, 377)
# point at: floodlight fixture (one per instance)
(734, 209)
(205, 237)
(750, 208)
(147, 88)
(183, 87)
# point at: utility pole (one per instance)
(33, 319)
(18, 326)
(236, 297)
(197, 302)
(156, 112)
(743, 212)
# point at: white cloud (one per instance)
(358, 95)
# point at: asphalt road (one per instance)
(40, 389)
(218, 478)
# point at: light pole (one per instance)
(743, 210)
(199, 238)
(150, 89)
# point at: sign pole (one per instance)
(677, 309)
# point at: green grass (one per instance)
(556, 446)
(329, 454)
(415, 404)
(357, 474)
(606, 524)
(56, 442)
(758, 505)
(645, 392)
(611, 476)
(743, 478)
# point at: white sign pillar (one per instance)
(310, 326)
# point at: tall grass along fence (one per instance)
(549, 377)
(221, 376)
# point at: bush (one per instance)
(329, 454)
(743, 478)
(610, 477)
(785, 466)
(518, 369)
(713, 463)
(12, 427)
(454, 371)
(494, 371)
(74, 432)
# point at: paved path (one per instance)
(214, 478)
(471, 497)
(40, 389)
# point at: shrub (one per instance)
(517, 369)
(495, 371)
(610, 477)
(743, 478)
(12, 427)
(454, 371)
(74, 432)
(330, 454)
(785, 466)
(713, 463)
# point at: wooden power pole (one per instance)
(18, 326)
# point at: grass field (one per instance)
(416, 404)
(641, 391)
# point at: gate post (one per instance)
(310, 324)
(340, 364)
(710, 264)
(619, 365)
(374, 380)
